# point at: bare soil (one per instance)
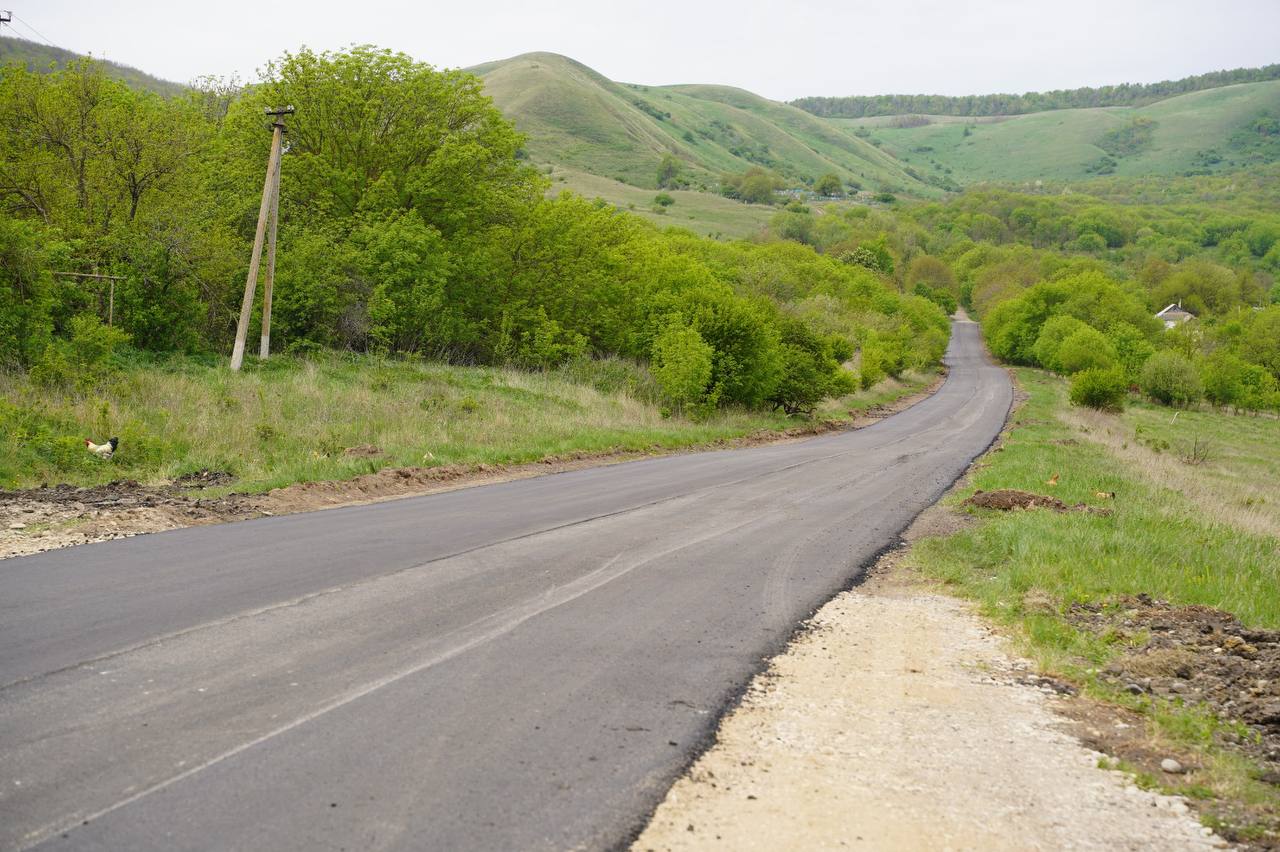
(1009, 499)
(39, 519)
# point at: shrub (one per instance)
(1222, 375)
(1054, 331)
(1101, 388)
(682, 363)
(663, 199)
(1171, 379)
(82, 360)
(1132, 348)
(1085, 349)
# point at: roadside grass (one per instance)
(290, 420)
(1165, 538)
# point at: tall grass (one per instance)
(292, 419)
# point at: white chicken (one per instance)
(102, 451)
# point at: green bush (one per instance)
(1171, 379)
(1055, 330)
(82, 360)
(1222, 375)
(1085, 349)
(682, 363)
(1101, 388)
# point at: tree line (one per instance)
(1124, 94)
(410, 226)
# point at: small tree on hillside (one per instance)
(829, 184)
(1171, 379)
(669, 171)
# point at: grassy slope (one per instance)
(289, 420)
(40, 56)
(1197, 535)
(576, 118)
(701, 212)
(1058, 145)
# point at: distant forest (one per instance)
(1125, 94)
(41, 57)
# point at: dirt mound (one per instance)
(1197, 655)
(1009, 499)
(49, 517)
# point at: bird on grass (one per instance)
(1052, 481)
(102, 451)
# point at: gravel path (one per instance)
(898, 722)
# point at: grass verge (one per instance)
(335, 417)
(1070, 585)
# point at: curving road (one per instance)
(518, 666)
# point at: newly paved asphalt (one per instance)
(518, 666)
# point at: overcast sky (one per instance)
(778, 49)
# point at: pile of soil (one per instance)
(49, 517)
(1009, 499)
(1200, 655)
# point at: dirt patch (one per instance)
(872, 729)
(1197, 655)
(40, 519)
(46, 518)
(1009, 499)
(204, 479)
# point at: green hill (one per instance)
(579, 119)
(41, 57)
(1220, 129)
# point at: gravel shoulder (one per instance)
(899, 720)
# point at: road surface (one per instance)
(526, 665)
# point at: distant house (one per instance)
(1174, 315)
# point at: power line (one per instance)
(38, 34)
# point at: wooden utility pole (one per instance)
(265, 348)
(264, 209)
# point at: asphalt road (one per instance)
(518, 666)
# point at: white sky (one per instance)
(778, 49)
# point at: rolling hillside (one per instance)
(1211, 130)
(38, 56)
(577, 118)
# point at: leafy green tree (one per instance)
(810, 370)
(1260, 343)
(1085, 349)
(1055, 330)
(682, 363)
(754, 186)
(1171, 379)
(669, 169)
(1222, 375)
(829, 185)
(25, 284)
(1132, 348)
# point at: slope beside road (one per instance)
(525, 665)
